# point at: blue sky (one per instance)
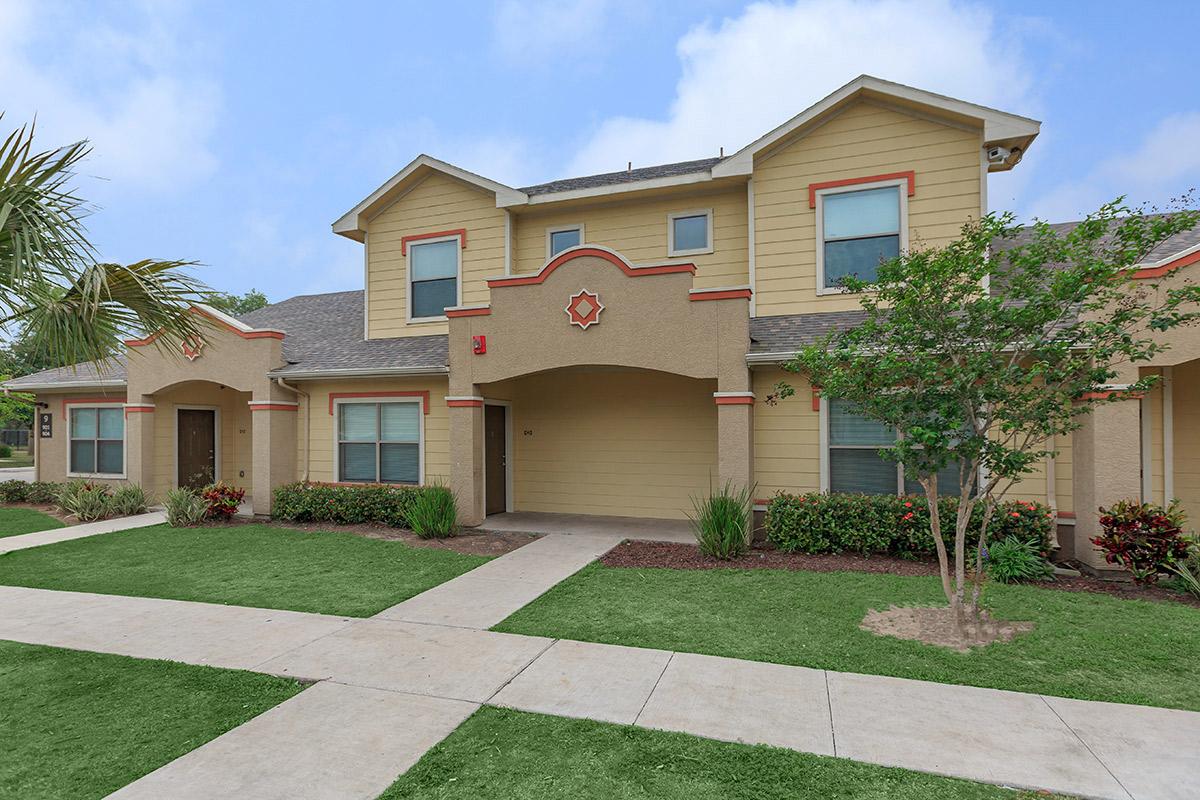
(235, 133)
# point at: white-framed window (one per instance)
(854, 462)
(434, 269)
(859, 227)
(96, 441)
(689, 233)
(380, 441)
(562, 237)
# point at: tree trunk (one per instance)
(989, 508)
(929, 484)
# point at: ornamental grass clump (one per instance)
(84, 500)
(129, 500)
(1014, 560)
(722, 522)
(185, 508)
(434, 513)
(1144, 538)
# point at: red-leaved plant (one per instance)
(223, 500)
(1144, 538)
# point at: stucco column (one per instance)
(735, 440)
(466, 457)
(1106, 468)
(139, 444)
(273, 424)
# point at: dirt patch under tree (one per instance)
(936, 626)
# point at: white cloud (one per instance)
(1164, 166)
(507, 159)
(276, 254)
(744, 76)
(129, 85)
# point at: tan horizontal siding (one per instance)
(638, 230)
(786, 437)
(438, 203)
(864, 140)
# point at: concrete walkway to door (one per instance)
(658, 530)
(390, 688)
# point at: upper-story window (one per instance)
(97, 441)
(562, 238)
(689, 233)
(434, 266)
(860, 228)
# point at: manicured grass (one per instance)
(244, 565)
(19, 459)
(1087, 646)
(82, 725)
(14, 521)
(517, 756)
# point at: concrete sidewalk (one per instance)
(39, 538)
(399, 682)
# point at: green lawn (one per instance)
(1087, 646)
(20, 458)
(517, 756)
(14, 521)
(245, 565)
(82, 725)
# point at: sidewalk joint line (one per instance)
(291, 650)
(1075, 733)
(829, 705)
(517, 674)
(657, 681)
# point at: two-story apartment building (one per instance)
(596, 345)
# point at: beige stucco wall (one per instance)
(637, 227)
(861, 141)
(235, 432)
(615, 442)
(321, 447)
(50, 455)
(437, 203)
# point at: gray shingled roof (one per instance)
(625, 176)
(789, 332)
(325, 332)
(87, 373)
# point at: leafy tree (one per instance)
(978, 354)
(16, 408)
(73, 307)
(236, 305)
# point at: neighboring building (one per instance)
(598, 345)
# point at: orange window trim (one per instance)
(424, 395)
(76, 401)
(910, 176)
(580, 252)
(461, 233)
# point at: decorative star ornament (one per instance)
(584, 309)
(192, 346)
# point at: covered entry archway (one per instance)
(611, 441)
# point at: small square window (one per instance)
(689, 233)
(564, 238)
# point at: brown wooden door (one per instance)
(495, 435)
(197, 446)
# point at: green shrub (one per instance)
(14, 492)
(1013, 560)
(345, 504)
(185, 508)
(1187, 569)
(1144, 538)
(128, 500)
(222, 499)
(5, 451)
(722, 520)
(86, 501)
(880, 523)
(433, 513)
(42, 493)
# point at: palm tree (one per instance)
(71, 307)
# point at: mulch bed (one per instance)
(672, 555)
